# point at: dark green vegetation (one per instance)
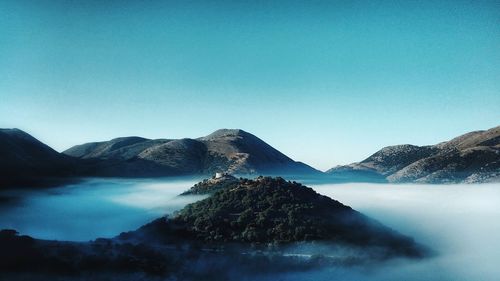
(25, 254)
(209, 186)
(472, 157)
(251, 227)
(25, 258)
(274, 211)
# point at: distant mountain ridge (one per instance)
(226, 150)
(472, 157)
(25, 161)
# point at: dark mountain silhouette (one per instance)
(232, 151)
(26, 161)
(472, 157)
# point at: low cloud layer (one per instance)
(459, 222)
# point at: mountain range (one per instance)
(27, 161)
(472, 157)
(230, 151)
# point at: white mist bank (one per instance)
(93, 208)
(460, 222)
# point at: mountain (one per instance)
(271, 210)
(231, 151)
(27, 161)
(472, 157)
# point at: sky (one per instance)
(325, 82)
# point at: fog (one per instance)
(460, 223)
(93, 208)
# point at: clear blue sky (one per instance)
(325, 82)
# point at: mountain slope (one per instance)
(472, 157)
(107, 149)
(25, 160)
(232, 151)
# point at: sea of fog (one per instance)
(461, 223)
(93, 208)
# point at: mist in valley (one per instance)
(459, 223)
(94, 208)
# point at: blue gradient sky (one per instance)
(325, 82)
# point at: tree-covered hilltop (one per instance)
(261, 210)
(209, 186)
(273, 210)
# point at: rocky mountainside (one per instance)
(472, 157)
(27, 161)
(271, 210)
(231, 151)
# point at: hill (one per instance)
(472, 157)
(271, 210)
(27, 161)
(232, 151)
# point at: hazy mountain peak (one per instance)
(222, 133)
